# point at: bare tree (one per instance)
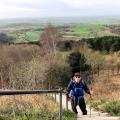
(49, 38)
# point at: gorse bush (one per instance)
(76, 59)
(77, 62)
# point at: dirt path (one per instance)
(95, 115)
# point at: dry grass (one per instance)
(19, 66)
(113, 58)
(106, 87)
(17, 53)
(27, 103)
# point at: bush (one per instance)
(106, 43)
(112, 107)
(65, 45)
(5, 39)
(77, 62)
(57, 75)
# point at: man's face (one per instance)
(77, 78)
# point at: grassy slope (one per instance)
(112, 107)
(25, 36)
(89, 30)
(23, 31)
(31, 107)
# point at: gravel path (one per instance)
(95, 115)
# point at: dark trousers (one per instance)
(78, 101)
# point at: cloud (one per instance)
(28, 8)
(44, 8)
(78, 3)
(89, 3)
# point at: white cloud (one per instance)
(79, 3)
(22, 8)
(89, 3)
(44, 8)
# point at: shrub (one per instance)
(57, 75)
(112, 107)
(77, 62)
(106, 43)
(5, 39)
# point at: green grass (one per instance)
(68, 115)
(33, 35)
(84, 30)
(112, 107)
(92, 29)
(22, 36)
(106, 21)
(89, 30)
(45, 115)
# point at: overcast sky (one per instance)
(58, 8)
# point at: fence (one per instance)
(112, 70)
(23, 92)
(103, 76)
(106, 83)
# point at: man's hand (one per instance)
(68, 97)
(91, 92)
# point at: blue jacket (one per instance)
(77, 89)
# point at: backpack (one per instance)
(77, 90)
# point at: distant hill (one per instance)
(62, 20)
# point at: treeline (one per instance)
(4, 38)
(113, 28)
(106, 43)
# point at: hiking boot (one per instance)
(76, 112)
(85, 113)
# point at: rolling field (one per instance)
(33, 35)
(31, 31)
(90, 30)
